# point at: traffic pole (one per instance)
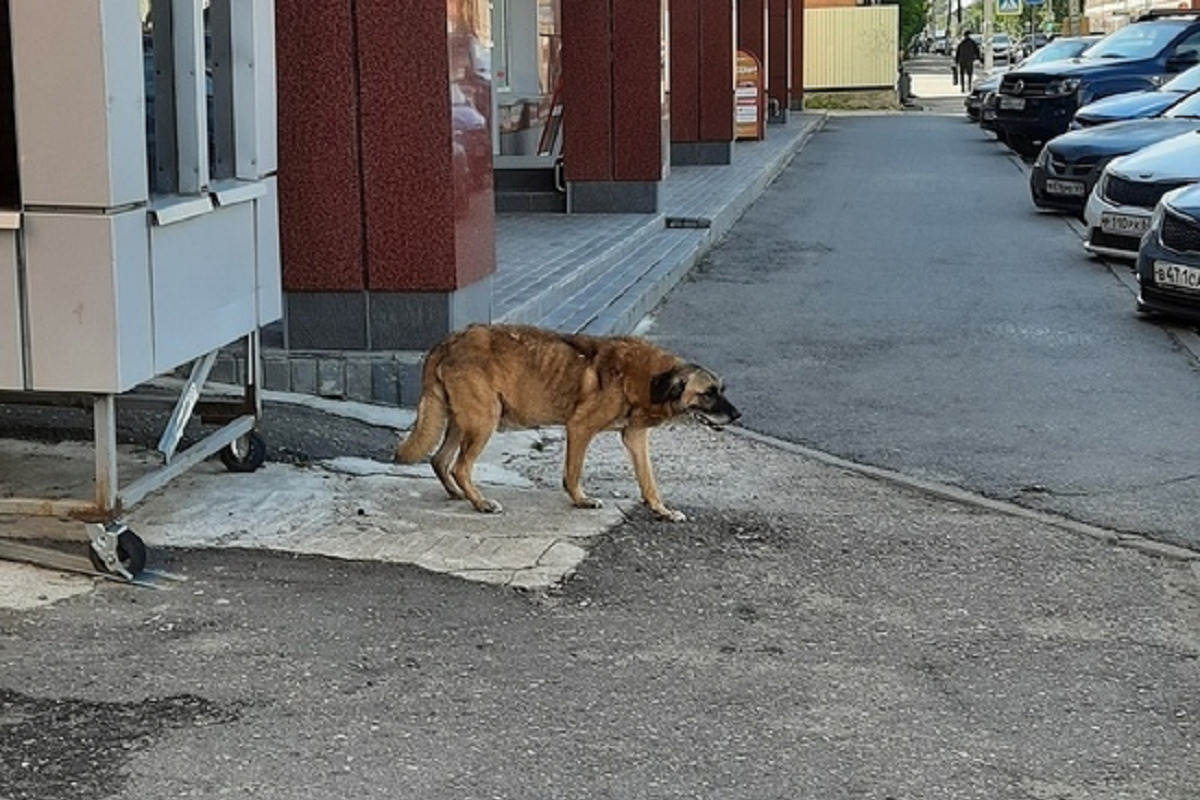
(989, 18)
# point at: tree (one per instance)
(913, 15)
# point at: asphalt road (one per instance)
(808, 633)
(895, 299)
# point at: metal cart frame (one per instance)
(115, 548)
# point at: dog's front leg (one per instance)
(578, 439)
(637, 442)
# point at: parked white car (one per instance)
(1119, 208)
(1001, 48)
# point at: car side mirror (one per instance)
(1183, 60)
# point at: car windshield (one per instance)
(1187, 108)
(1143, 40)
(1186, 81)
(1057, 51)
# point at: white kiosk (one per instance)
(138, 224)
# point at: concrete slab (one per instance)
(348, 508)
(23, 586)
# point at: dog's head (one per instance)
(691, 389)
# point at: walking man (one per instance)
(965, 56)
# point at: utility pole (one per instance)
(989, 18)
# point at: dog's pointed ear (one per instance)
(666, 387)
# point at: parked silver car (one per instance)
(1001, 47)
(1119, 209)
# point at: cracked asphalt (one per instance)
(810, 632)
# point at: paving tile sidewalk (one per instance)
(596, 273)
(565, 271)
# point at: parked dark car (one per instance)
(1059, 49)
(1030, 43)
(1133, 105)
(1069, 166)
(1168, 263)
(1036, 104)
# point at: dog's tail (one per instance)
(427, 431)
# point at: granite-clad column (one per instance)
(615, 109)
(702, 91)
(797, 55)
(752, 29)
(779, 64)
(386, 210)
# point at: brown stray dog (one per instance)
(490, 377)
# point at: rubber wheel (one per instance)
(131, 552)
(245, 454)
(1023, 145)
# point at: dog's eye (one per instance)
(710, 391)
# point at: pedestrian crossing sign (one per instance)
(1008, 6)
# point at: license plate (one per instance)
(1124, 224)
(1012, 103)
(1177, 275)
(1071, 188)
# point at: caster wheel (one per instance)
(131, 553)
(245, 454)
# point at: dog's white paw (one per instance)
(489, 507)
(671, 515)
(590, 502)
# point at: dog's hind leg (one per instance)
(472, 442)
(444, 455)
(637, 442)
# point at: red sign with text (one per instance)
(749, 111)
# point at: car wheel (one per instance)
(1023, 145)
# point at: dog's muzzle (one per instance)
(716, 422)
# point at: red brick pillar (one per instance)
(752, 28)
(615, 112)
(779, 59)
(798, 54)
(386, 208)
(702, 63)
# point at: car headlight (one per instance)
(1042, 157)
(1156, 217)
(1062, 86)
(1160, 208)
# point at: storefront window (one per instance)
(187, 53)
(10, 184)
(549, 45)
(527, 64)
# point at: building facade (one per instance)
(1105, 16)
(400, 134)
